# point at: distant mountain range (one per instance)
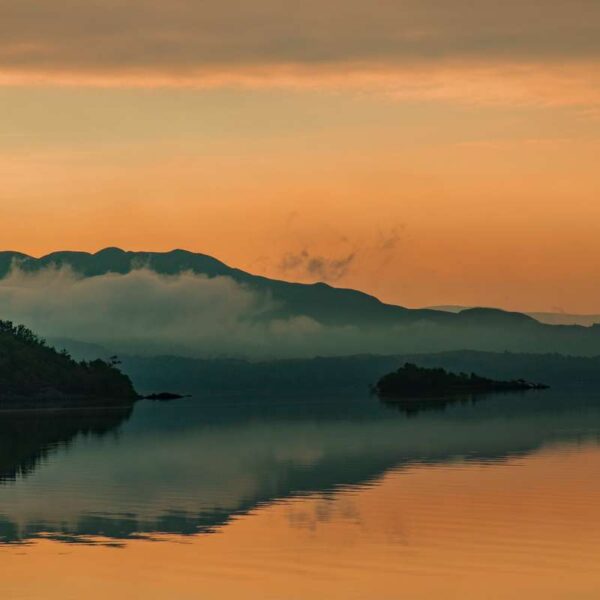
(324, 303)
(414, 330)
(347, 374)
(551, 318)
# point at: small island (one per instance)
(413, 381)
(164, 396)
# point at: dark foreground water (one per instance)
(319, 498)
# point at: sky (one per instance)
(426, 151)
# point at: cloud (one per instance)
(316, 267)
(389, 240)
(380, 249)
(186, 34)
(413, 47)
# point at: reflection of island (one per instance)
(420, 383)
(412, 406)
(27, 438)
(181, 468)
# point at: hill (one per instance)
(551, 318)
(320, 301)
(409, 330)
(32, 374)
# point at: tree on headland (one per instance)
(29, 367)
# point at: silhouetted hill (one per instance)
(320, 301)
(34, 374)
(412, 330)
(551, 318)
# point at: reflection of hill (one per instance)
(183, 469)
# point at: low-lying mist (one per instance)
(188, 314)
(146, 313)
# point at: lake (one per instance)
(308, 498)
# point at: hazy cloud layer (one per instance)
(187, 35)
(316, 267)
(351, 256)
(146, 313)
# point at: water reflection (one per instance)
(414, 406)
(28, 437)
(186, 468)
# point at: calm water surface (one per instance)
(314, 499)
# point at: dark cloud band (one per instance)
(184, 35)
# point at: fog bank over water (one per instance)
(143, 312)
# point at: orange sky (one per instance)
(425, 155)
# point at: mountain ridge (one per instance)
(173, 262)
(409, 330)
(548, 317)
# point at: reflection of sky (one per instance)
(518, 528)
